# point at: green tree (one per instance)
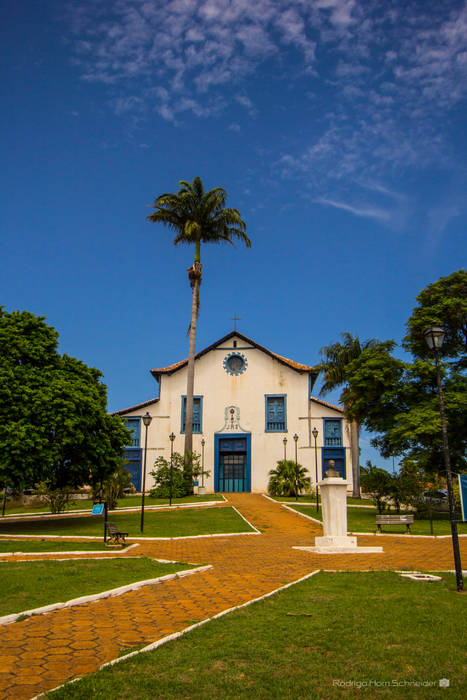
(162, 477)
(442, 303)
(197, 216)
(398, 400)
(336, 358)
(113, 487)
(54, 427)
(377, 482)
(288, 479)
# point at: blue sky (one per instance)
(337, 127)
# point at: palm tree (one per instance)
(197, 217)
(288, 479)
(336, 358)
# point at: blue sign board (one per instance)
(98, 509)
(463, 490)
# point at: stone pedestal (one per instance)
(335, 539)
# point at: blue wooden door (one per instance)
(133, 465)
(232, 465)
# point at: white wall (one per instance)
(264, 375)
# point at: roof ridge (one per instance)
(285, 360)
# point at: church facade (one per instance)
(251, 409)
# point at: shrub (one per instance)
(288, 479)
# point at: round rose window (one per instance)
(235, 363)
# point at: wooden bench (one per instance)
(406, 520)
(115, 535)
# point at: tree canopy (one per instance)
(399, 400)
(442, 303)
(54, 426)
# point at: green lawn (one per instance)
(127, 502)
(176, 523)
(52, 546)
(28, 585)
(311, 498)
(306, 643)
(363, 520)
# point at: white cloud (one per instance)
(367, 212)
(390, 72)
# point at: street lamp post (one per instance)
(314, 432)
(171, 438)
(285, 448)
(295, 437)
(203, 442)
(434, 337)
(147, 422)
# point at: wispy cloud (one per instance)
(366, 212)
(390, 71)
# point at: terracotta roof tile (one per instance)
(134, 408)
(325, 403)
(285, 360)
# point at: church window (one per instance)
(235, 363)
(134, 426)
(197, 414)
(332, 432)
(276, 414)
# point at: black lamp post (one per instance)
(203, 442)
(314, 432)
(295, 437)
(171, 438)
(434, 337)
(285, 448)
(147, 422)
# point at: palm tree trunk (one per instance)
(194, 275)
(355, 457)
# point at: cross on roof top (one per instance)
(235, 318)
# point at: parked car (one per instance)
(437, 498)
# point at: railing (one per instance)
(333, 442)
(276, 425)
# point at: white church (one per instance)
(251, 408)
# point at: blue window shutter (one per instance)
(134, 425)
(275, 414)
(197, 414)
(332, 432)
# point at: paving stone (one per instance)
(73, 642)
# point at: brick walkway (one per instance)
(44, 651)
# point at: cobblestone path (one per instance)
(44, 651)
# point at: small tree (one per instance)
(57, 498)
(162, 477)
(113, 487)
(377, 482)
(288, 479)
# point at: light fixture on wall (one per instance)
(285, 448)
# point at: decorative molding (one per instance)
(238, 356)
(231, 421)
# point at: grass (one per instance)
(176, 523)
(307, 642)
(52, 546)
(311, 498)
(363, 520)
(28, 585)
(127, 502)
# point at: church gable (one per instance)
(234, 342)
